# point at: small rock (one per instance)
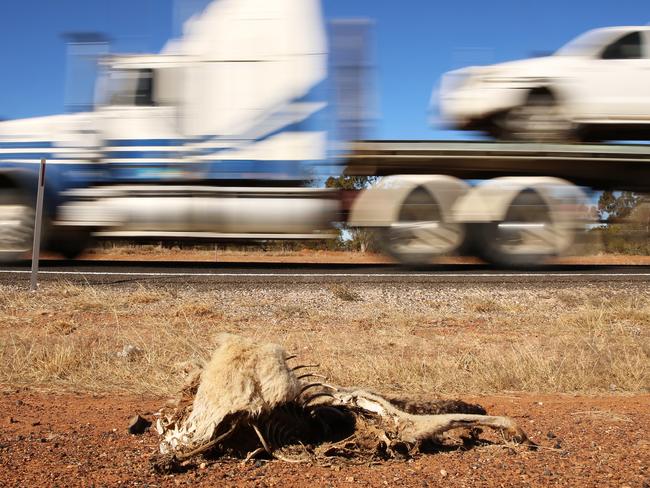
(138, 425)
(350, 479)
(36, 423)
(19, 403)
(443, 473)
(12, 420)
(550, 435)
(202, 466)
(130, 352)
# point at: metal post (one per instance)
(36, 248)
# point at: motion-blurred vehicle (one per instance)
(213, 138)
(216, 138)
(596, 87)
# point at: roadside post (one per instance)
(36, 247)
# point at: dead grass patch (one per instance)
(483, 305)
(345, 293)
(404, 338)
(61, 327)
(196, 310)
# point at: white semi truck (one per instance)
(212, 138)
(215, 137)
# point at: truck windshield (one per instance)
(131, 87)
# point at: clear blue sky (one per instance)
(416, 41)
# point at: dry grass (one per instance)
(345, 293)
(388, 337)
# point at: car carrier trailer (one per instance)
(513, 204)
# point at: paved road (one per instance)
(202, 272)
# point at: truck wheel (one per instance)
(420, 232)
(16, 225)
(70, 243)
(540, 119)
(526, 237)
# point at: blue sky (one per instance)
(416, 41)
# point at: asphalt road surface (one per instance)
(206, 272)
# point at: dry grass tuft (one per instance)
(401, 338)
(483, 305)
(61, 327)
(343, 292)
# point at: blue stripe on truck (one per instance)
(25, 145)
(145, 142)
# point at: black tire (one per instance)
(539, 119)
(16, 224)
(70, 243)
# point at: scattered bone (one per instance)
(303, 366)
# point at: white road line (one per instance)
(335, 275)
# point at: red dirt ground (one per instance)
(81, 440)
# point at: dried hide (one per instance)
(241, 379)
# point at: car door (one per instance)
(615, 85)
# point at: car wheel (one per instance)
(540, 119)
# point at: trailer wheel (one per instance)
(16, 224)
(526, 237)
(420, 232)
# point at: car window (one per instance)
(627, 47)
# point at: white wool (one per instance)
(241, 377)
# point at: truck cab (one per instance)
(214, 137)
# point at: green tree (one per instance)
(627, 215)
(352, 238)
(615, 206)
